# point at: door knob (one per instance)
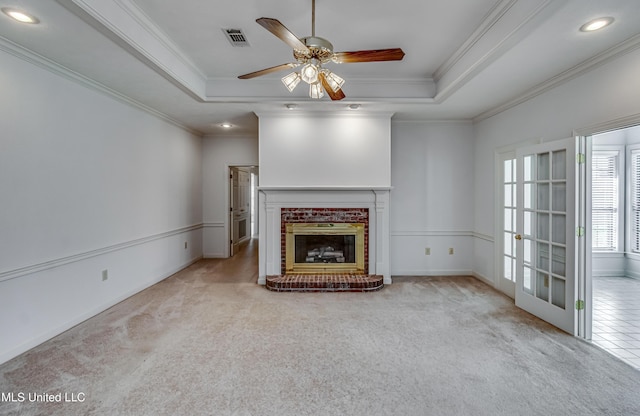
(518, 237)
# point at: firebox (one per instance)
(312, 248)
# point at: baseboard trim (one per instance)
(214, 256)
(39, 267)
(609, 273)
(483, 279)
(34, 342)
(432, 272)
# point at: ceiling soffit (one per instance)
(123, 21)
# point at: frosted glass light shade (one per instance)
(309, 73)
(315, 90)
(334, 81)
(291, 81)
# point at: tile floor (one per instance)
(616, 317)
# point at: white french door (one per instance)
(507, 223)
(546, 283)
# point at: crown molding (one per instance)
(128, 26)
(270, 89)
(576, 71)
(47, 64)
(494, 15)
(617, 124)
(401, 120)
(507, 26)
(332, 113)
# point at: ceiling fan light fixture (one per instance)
(334, 81)
(309, 73)
(291, 81)
(315, 90)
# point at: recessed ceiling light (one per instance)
(291, 106)
(19, 15)
(226, 125)
(596, 24)
(354, 106)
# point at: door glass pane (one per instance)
(527, 280)
(559, 199)
(543, 196)
(528, 222)
(508, 201)
(527, 252)
(558, 292)
(508, 238)
(508, 219)
(542, 256)
(559, 228)
(528, 192)
(528, 166)
(542, 286)
(558, 260)
(507, 268)
(543, 166)
(542, 226)
(559, 165)
(508, 177)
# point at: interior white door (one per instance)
(232, 209)
(546, 232)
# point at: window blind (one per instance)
(635, 200)
(604, 200)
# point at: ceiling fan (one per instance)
(312, 52)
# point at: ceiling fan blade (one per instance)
(335, 96)
(274, 26)
(374, 55)
(267, 71)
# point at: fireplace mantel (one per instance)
(272, 199)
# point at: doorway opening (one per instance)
(614, 195)
(243, 218)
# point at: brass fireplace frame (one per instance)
(355, 229)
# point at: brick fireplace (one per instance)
(281, 209)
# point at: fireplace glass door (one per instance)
(324, 248)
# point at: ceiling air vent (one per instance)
(236, 37)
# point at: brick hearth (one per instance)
(324, 283)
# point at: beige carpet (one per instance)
(209, 341)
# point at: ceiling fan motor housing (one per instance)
(320, 49)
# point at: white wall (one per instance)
(307, 150)
(88, 184)
(606, 93)
(218, 153)
(432, 197)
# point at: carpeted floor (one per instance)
(209, 341)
